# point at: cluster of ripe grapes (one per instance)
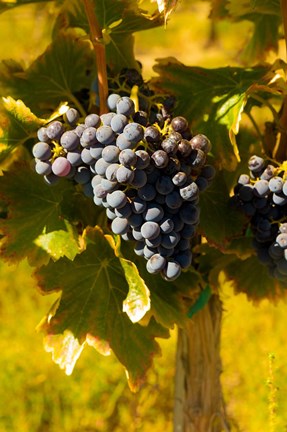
(262, 196)
(148, 177)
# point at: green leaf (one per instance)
(59, 243)
(65, 68)
(93, 288)
(167, 305)
(118, 19)
(212, 99)
(33, 210)
(219, 220)
(137, 302)
(265, 15)
(166, 7)
(252, 278)
(7, 5)
(17, 126)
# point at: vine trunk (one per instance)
(199, 404)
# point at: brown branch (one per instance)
(96, 36)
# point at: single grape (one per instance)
(124, 175)
(170, 240)
(89, 137)
(108, 185)
(256, 164)
(152, 134)
(275, 184)
(92, 120)
(42, 135)
(160, 158)
(111, 154)
(86, 156)
(150, 230)
(189, 192)
(173, 200)
(261, 188)
(69, 140)
(96, 150)
(105, 135)
(71, 116)
(112, 101)
(154, 212)
(166, 225)
(138, 205)
(120, 225)
(171, 271)
(42, 151)
(156, 263)
(111, 171)
(164, 185)
(117, 199)
(123, 143)
(200, 142)
(179, 178)
(184, 148)
(124, 211)
(133, 132)
(179, 124)
(149, 252)
(74, 157)
(55, 130)
(125, 106)
(139, 248)
(110, 214)
(118, 123)
(128, 158)
(61, 167)
(139, 179)
(101, 166)
(281, 239)
(189, 214)
(79, 130)
(147, 192)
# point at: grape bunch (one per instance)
(148, 178)
(262, 196)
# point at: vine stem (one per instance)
(96, 37)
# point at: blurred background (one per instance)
(35, 395)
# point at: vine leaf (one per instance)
(266, 18)
(17, 126)
(59, 243)
(212, 100)
(62, 70)
(7, 5)
(166, 7)
(252, 278)
(93, 288)
(137, 302)
(33, 211)
(219, 221)
(118, 19)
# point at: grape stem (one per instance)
(96, 37)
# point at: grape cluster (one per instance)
(147, 178)
(262, 196)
